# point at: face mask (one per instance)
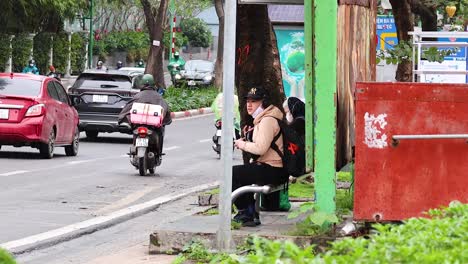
(289, 117)
(31, 65)
(257, 112)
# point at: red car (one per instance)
(36, 111)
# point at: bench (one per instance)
(256, 189)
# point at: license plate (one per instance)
(218, 133)
(97, 98)
(4, 113)
(141, 142)
(191, 83)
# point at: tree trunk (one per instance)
(404, 24)
(155, 20)
(403, 11)
(219, 56)
(257, 58)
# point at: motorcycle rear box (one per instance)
(146, 114)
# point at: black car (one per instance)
(102, 95)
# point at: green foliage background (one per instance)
(4, 50)
(22, 45)
(197, 32)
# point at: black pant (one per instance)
(261, 174)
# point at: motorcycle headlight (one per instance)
(208, 78)
(178, 76)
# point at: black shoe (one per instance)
(247, 219)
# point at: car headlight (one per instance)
(178, 76)
(208, 78)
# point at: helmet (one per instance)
(147, 80)
(32, 62)
(140, 63)
(119, 64)
(176, 54)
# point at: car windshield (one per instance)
(19, 87)
(199, 66)
(100, 81)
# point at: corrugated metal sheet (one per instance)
(356, 62)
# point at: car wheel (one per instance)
(92, 134)
(47, 149)
(72, 150)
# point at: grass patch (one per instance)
(301, 189)
(211, 211)
(212, 191)
(343, 176)
(180, 99)
(344, 201)
(6, 258)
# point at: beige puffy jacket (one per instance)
(266, 127)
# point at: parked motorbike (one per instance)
(217, 137)
(146, 152)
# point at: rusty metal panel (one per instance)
(399, 179)
(356, 62)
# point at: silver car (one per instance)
(197, 73)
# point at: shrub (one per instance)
(42, 44)
(5, 51)
(78, 52)
(22, 45)
(185, 99)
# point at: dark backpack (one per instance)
(293, 149)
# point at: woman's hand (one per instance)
(239, 144)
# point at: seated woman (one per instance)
(267, 166)
(295, 114)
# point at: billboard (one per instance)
(292, 57)
(386, 32)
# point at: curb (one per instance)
(92, 225)
(190, 113)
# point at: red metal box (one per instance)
(411, 149)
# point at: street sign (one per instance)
(264, 2)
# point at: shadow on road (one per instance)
(109, 140)
(27, 155)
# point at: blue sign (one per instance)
(386, 32)
(461, 53)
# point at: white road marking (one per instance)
(171, 148)
(78, 161)
(205, 140)
(13, 173)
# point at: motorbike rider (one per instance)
(53, 73)
(31, 67)
(140, 64)
(217, 108)
(176, 64)
(119, 65)
(100, 66)
(148, 95)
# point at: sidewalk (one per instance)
(173, 237)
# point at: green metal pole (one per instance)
(91, 35)
(309, 82)
(325, 31)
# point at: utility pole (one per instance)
(224, 230)
(309, 82)
(91, 34)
